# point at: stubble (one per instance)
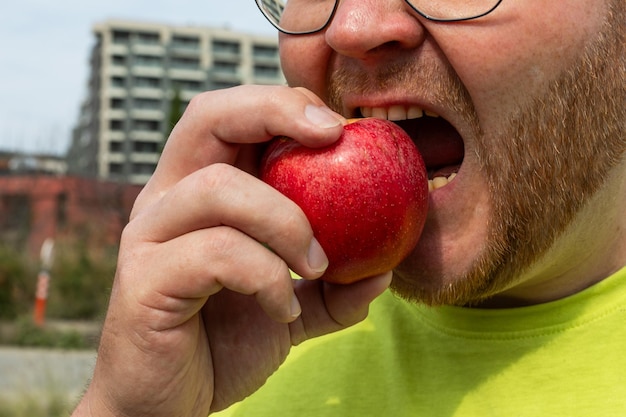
(552, 156)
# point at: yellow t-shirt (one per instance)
(563, 358)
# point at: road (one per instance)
(41, 373)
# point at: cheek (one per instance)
(509, 58)
(304, 61)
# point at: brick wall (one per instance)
(36, 207)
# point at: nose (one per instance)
(362, 28)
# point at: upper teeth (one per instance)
(396, 112)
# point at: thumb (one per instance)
(327, 308)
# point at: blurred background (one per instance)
(89, 92)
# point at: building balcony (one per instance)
(196, 74)
(147, 92)
(152, 114)
(118, 49)
(147, 71)
(147, 49)
(144, 158)
(145, 135)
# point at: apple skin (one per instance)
(365, 196)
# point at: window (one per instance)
(117, 103)
(143, 168)
(217, 85)
(264, 51)
(149, 82)
(226, 47)
(118, 60)
(147, 104)
(225, 67)
(121, 36)
(148, 38)
(118, 82)
(15, 215)
(146, 125)
(116, 125)
(62, 209)
(191, 85)
(115, 168)
(148, 60)
(266, 71)
(185, 63)
(116, 147)
(187, 42)
(145, 147)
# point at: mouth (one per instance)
(438, 141)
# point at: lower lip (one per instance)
(443, 196)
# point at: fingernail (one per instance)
(316, 257)
(321, 116)
(296, 310)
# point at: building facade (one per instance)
(37, 207)
(12, 163)
(139, 72)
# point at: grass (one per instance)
(47, 404)
(23, 332)
(79, 291)
(50, 398)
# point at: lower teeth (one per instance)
(439, 182)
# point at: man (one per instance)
(511, 304)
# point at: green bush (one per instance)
(17, 283)
(80, 285)
(26, 333)
(79, 289)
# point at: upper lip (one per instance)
(353, 106)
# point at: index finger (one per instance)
(216, 122)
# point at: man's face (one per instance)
(526, 123)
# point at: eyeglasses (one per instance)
(299, 17)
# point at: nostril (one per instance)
(362, 28)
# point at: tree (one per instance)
(174, 115)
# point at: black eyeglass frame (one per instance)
(332, 13)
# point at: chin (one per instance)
(452, 275)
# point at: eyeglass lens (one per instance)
(302, 16)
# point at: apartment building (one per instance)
(138, 74)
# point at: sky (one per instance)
(44, 52)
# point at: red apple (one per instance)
(365, 196)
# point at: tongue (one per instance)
(439, 143)
(444, 171)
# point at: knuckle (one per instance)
(235, 253)
(223, 245)
(198, 102)
(275, 97)
(131, 232)
(215, 179)
(220, 171)
(293, 227)
(276, 271)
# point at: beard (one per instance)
(553, 155)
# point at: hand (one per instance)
(201, 312)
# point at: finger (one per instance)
(263, 112)
(332, 307)
(215, 122)
(183, 273)
(214, 196)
